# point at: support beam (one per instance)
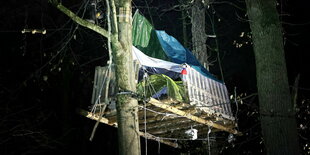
(192, 117)
(154, 124)
(143, 134)
(92, 116)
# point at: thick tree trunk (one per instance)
(127, 106)
(276, 109)
(199, 39)
(121, 41)
(199, 33)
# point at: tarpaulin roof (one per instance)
(159, 44)
(178, 54)
(144, 38)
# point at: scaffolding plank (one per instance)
(143, 134)
(192, 117)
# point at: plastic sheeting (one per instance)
(178, 54)
(144, 38)
(159, 44)
(147, 61)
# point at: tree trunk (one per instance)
(127, 106)
(121, 41)
(199, 33)
(184, 28)
(200, 50)
(276, 109)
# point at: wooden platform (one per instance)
(165, 121)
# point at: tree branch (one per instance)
(114, 19)
(81, 21)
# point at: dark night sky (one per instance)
(39, 73)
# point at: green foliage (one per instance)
(154, 83)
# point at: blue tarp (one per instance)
(178, 54)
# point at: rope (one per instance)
(235, 94)
(186, 139)
(107, 74)
(101, 110)
(158, 150)
(147, 82)
(161, 113)
(145, 127)
(209, 145)
(94, 108)
(148, 9)
(144, 95)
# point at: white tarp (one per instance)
(145, 60)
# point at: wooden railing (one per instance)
(207, 94)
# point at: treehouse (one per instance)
(178, 98)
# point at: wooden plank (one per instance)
(177, 132)
(176, 104)
(170, 125)
(153, 111)
(155, 124)
(192, 117)
(155, 114)
(164, 128)
(152, 137)
(156, 119)
(202, 132)
(145, 135)
(92, 116)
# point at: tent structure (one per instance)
(206, 104)
(207, 94)
(199, 81)
(159, 44)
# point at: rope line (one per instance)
(144, 93)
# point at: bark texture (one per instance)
(199, 33)
(276, 109)
(127, 106)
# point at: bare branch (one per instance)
(81, 21)
(229, 3)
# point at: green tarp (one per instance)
(145, 39)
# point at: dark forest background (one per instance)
(45, 77)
